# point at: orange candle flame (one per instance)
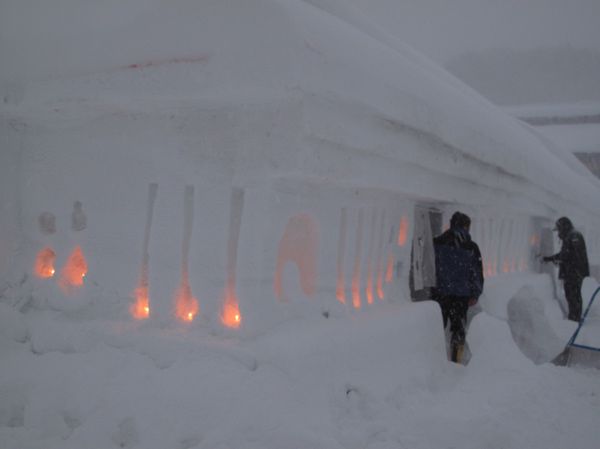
(44, 263)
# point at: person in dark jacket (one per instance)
(459, 278)
(572, 264)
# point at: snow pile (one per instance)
(531, 330)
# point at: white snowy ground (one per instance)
(91, 378)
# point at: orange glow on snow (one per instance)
(370, 262)
(403, 231)
(356, 270)
(356, 300)
(340, 286)
(299, 244)
(140, 310)
(488, 269)
(340, 293)
(186, 306)
(74, 270)
(534, 240)
(380, 260)
(380, 293)
(44, 263)
(389, 272)
(369, 289)
(231, 316)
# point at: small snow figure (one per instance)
(47, 222)
(573, 264)
(459, 274)
(78, 218)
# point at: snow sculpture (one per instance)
(47, 223)
(78, 218)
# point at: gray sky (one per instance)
(444, 29)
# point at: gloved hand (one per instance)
(547, 259)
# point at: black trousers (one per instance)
(573, 295)
(454, 310)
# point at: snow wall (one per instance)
(273, 163)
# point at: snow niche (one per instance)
(299, 244)
(45, 262)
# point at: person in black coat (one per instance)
(459, 277)
(572, 264)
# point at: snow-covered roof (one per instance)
(281, 48)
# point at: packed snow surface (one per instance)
(86, 376)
